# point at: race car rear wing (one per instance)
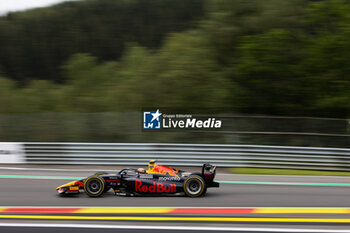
(208, 172)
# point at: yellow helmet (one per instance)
(151, 165)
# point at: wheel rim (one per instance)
(94, 186)
(194, 187)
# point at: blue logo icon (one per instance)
(151, 120)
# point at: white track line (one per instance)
(179, 207)
(184, 228)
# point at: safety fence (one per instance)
(126, 127)
(221, 155)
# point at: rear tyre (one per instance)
(194, 186)
(94, 186)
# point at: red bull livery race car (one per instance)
(157, 180)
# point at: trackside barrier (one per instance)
(221, 155)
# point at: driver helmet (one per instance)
(151, 165)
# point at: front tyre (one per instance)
(194, 186)
(94, 186)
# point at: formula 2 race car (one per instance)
(157, 180)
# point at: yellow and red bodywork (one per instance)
(161, 169)
(73, 186)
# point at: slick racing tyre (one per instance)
(194, 186)
(94, 186)
(107, 188)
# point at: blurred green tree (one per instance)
(35, 43)
(262, 57)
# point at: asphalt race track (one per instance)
(41, 192)
(25, 192)
(37, 189)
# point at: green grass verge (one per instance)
(272, 171)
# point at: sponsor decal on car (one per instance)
(173, 178)
(146, 176)
(154, 188)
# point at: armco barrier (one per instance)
(222, 155)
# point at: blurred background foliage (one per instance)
(271, 57)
